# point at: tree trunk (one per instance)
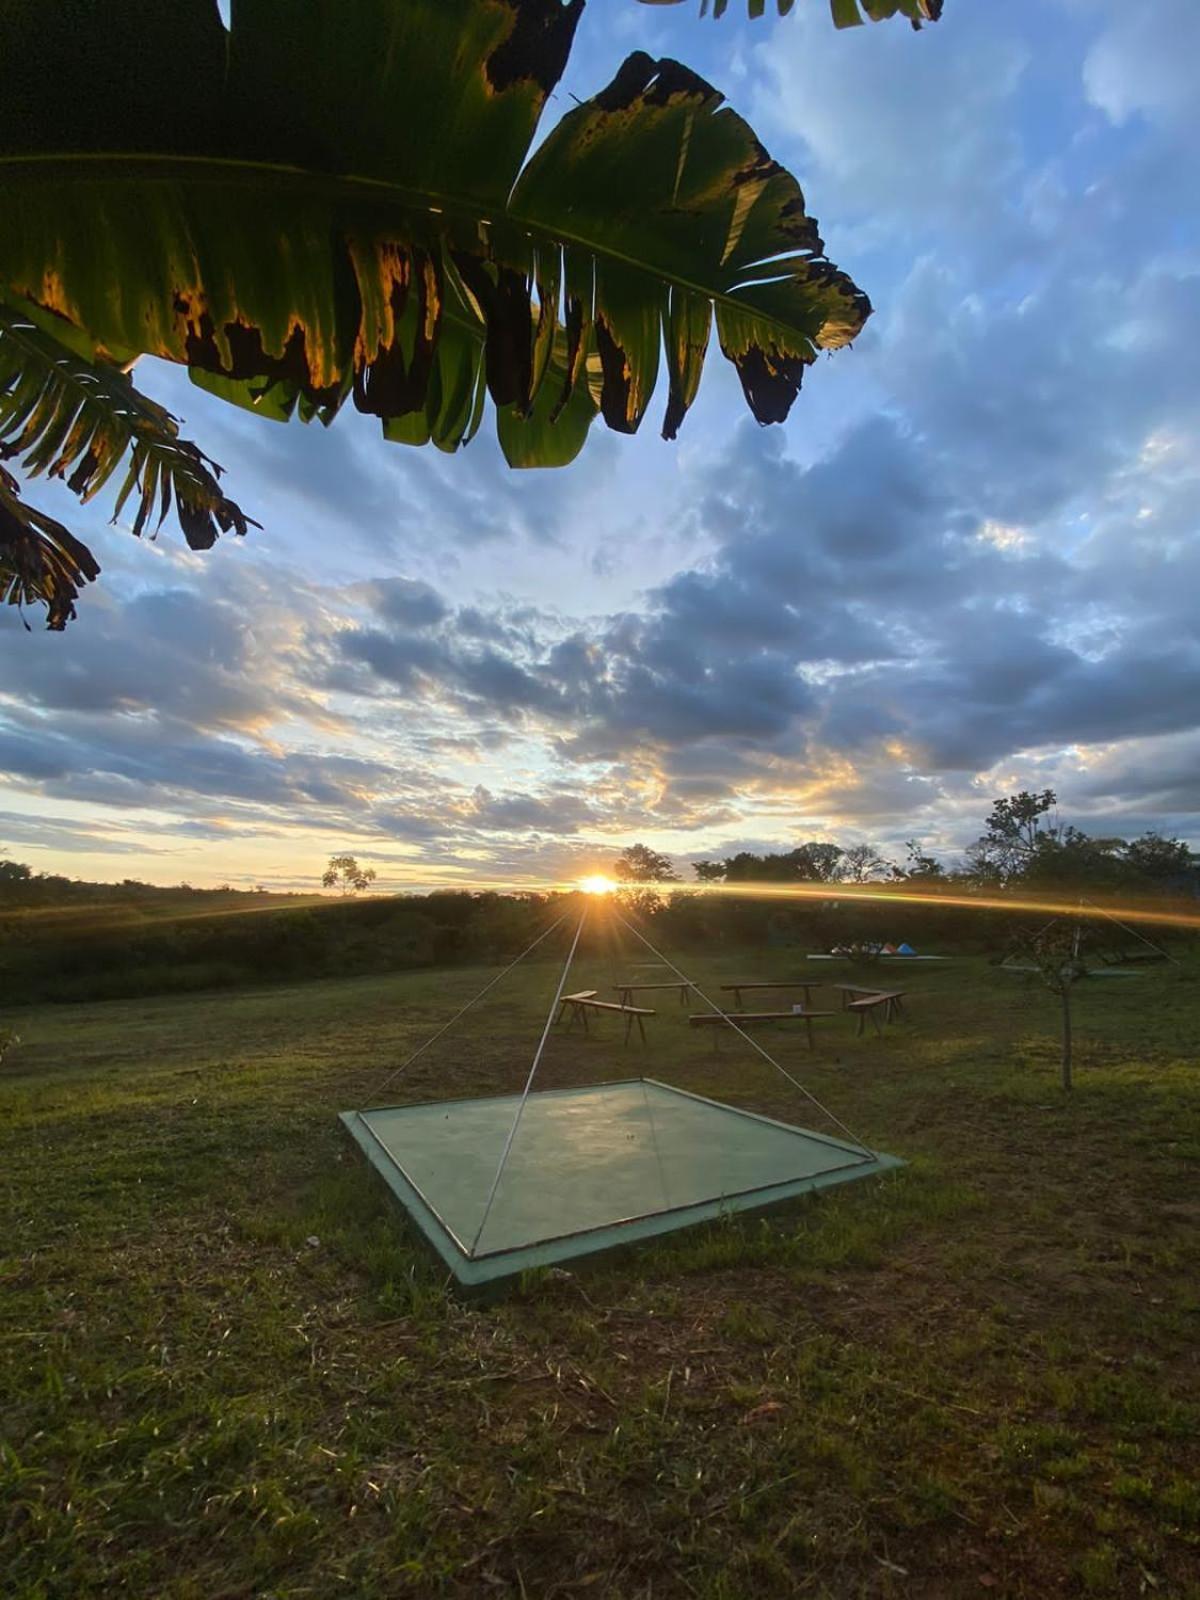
(1066, 1036)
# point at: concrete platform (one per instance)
(590, 1169)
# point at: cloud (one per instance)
(1134, 70)
(893, 126)
(407, 601)
(220, 654)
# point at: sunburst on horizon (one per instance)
(597, 883)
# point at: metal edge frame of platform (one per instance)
(490, 1267)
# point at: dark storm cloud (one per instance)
(417, 663)
(407, 601)
(164, 699)
(555, 814)
(68, 835)
(850, 604)
(136, 763)
(403, 660)
(1162, 775)
(195, 655)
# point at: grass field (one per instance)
(978, 1374)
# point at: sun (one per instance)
(597, 884)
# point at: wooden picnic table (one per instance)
(892, 1002)
(749, 1018)
(788, 983)
(628, 990)
(863, 991)
(584, 1000)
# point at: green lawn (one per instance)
(978, 1374)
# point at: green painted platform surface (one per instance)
(589, 1169)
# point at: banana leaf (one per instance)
(335, 200)
(845, 13)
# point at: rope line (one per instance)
(446, 1026)
(537, 1056)
(753, 1043)
(1158, 950)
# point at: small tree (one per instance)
(639, 864)
(1012, 834)
(861, 863)
(918, 863)
(1054, 952)
(345, 873)
(1162, 862)
(710, 871)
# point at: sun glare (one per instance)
(597, 884)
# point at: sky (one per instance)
(966, 565)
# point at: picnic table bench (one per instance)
(745, 1018)
(584, 1000)
(869, 1006)
(798, 983)
(862, 991)
(634, 986)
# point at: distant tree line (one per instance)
(128, 949)
(21, 885)
(107, 941)
(1023, 844)
(815, 862)
(1024, 847)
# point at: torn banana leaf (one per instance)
(845, 13)
(336, 200)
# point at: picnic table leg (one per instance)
(737, 998)
(628, 1025)
(808, 1029)
(862, 1024)
(642, 1028)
